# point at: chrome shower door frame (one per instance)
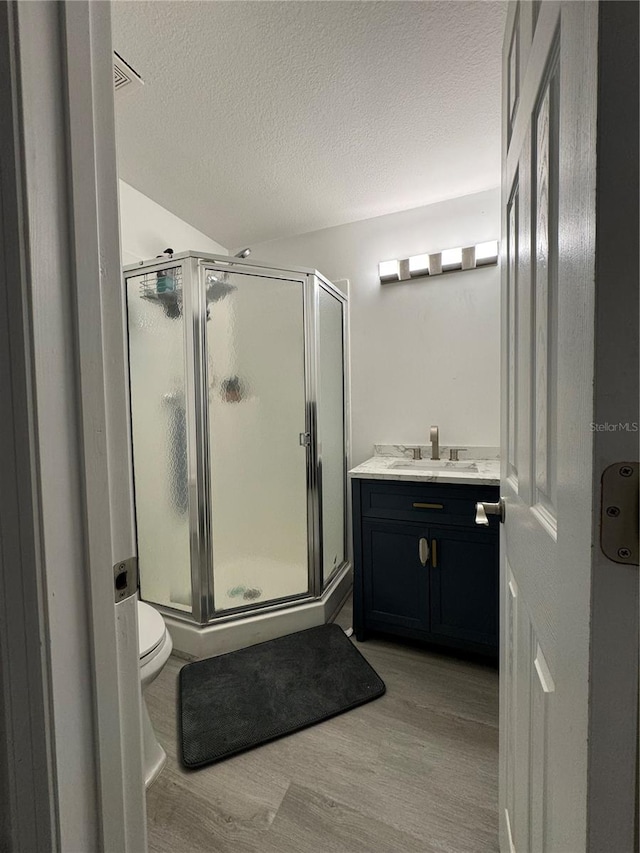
(195, 313)
(320, 282)
(193, 266)
(183, 262)
(202, 525)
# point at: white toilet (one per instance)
(155, 646)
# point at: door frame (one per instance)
(613, 788)
(26, 760)
(59, 504)
(70, 745)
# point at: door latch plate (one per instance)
(125, 578)
(619, 531)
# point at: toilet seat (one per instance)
(151, 631)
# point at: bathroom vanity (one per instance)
(423, 568)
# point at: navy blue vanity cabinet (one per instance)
(395, 585)
(422, 568)
(464, 585)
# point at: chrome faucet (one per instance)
(434, 438)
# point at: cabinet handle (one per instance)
(434, 553)
(427, 506)
(423, 551)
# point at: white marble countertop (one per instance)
(398, 467)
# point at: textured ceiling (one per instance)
(263, 119)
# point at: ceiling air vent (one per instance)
(124, 75)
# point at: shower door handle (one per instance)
(423, 551)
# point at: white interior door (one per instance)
(549, 540)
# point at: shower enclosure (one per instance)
(238, 404)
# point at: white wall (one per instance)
(422, 353)
(147, 228)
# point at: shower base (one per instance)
(202, 641)
(250, 581)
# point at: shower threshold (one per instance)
(201, 641)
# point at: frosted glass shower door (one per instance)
(331, 443)
(159, 426)
(257, 411)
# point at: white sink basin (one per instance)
(434, 465)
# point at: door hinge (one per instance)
(305, 439)
(125, 578)
(619, 528)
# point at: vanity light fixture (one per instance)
(451, 260)
(435, 263)
(419, 265)
(388, 271)
(487, 253)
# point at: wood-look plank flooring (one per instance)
(413, 772)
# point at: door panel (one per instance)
(396, 586)
(513, 72)
(516, 686)
(548, 300)
(512, 321)
(544, 363)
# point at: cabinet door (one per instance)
(396, 584)
(464, 584)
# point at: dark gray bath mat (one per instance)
(245, 698)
